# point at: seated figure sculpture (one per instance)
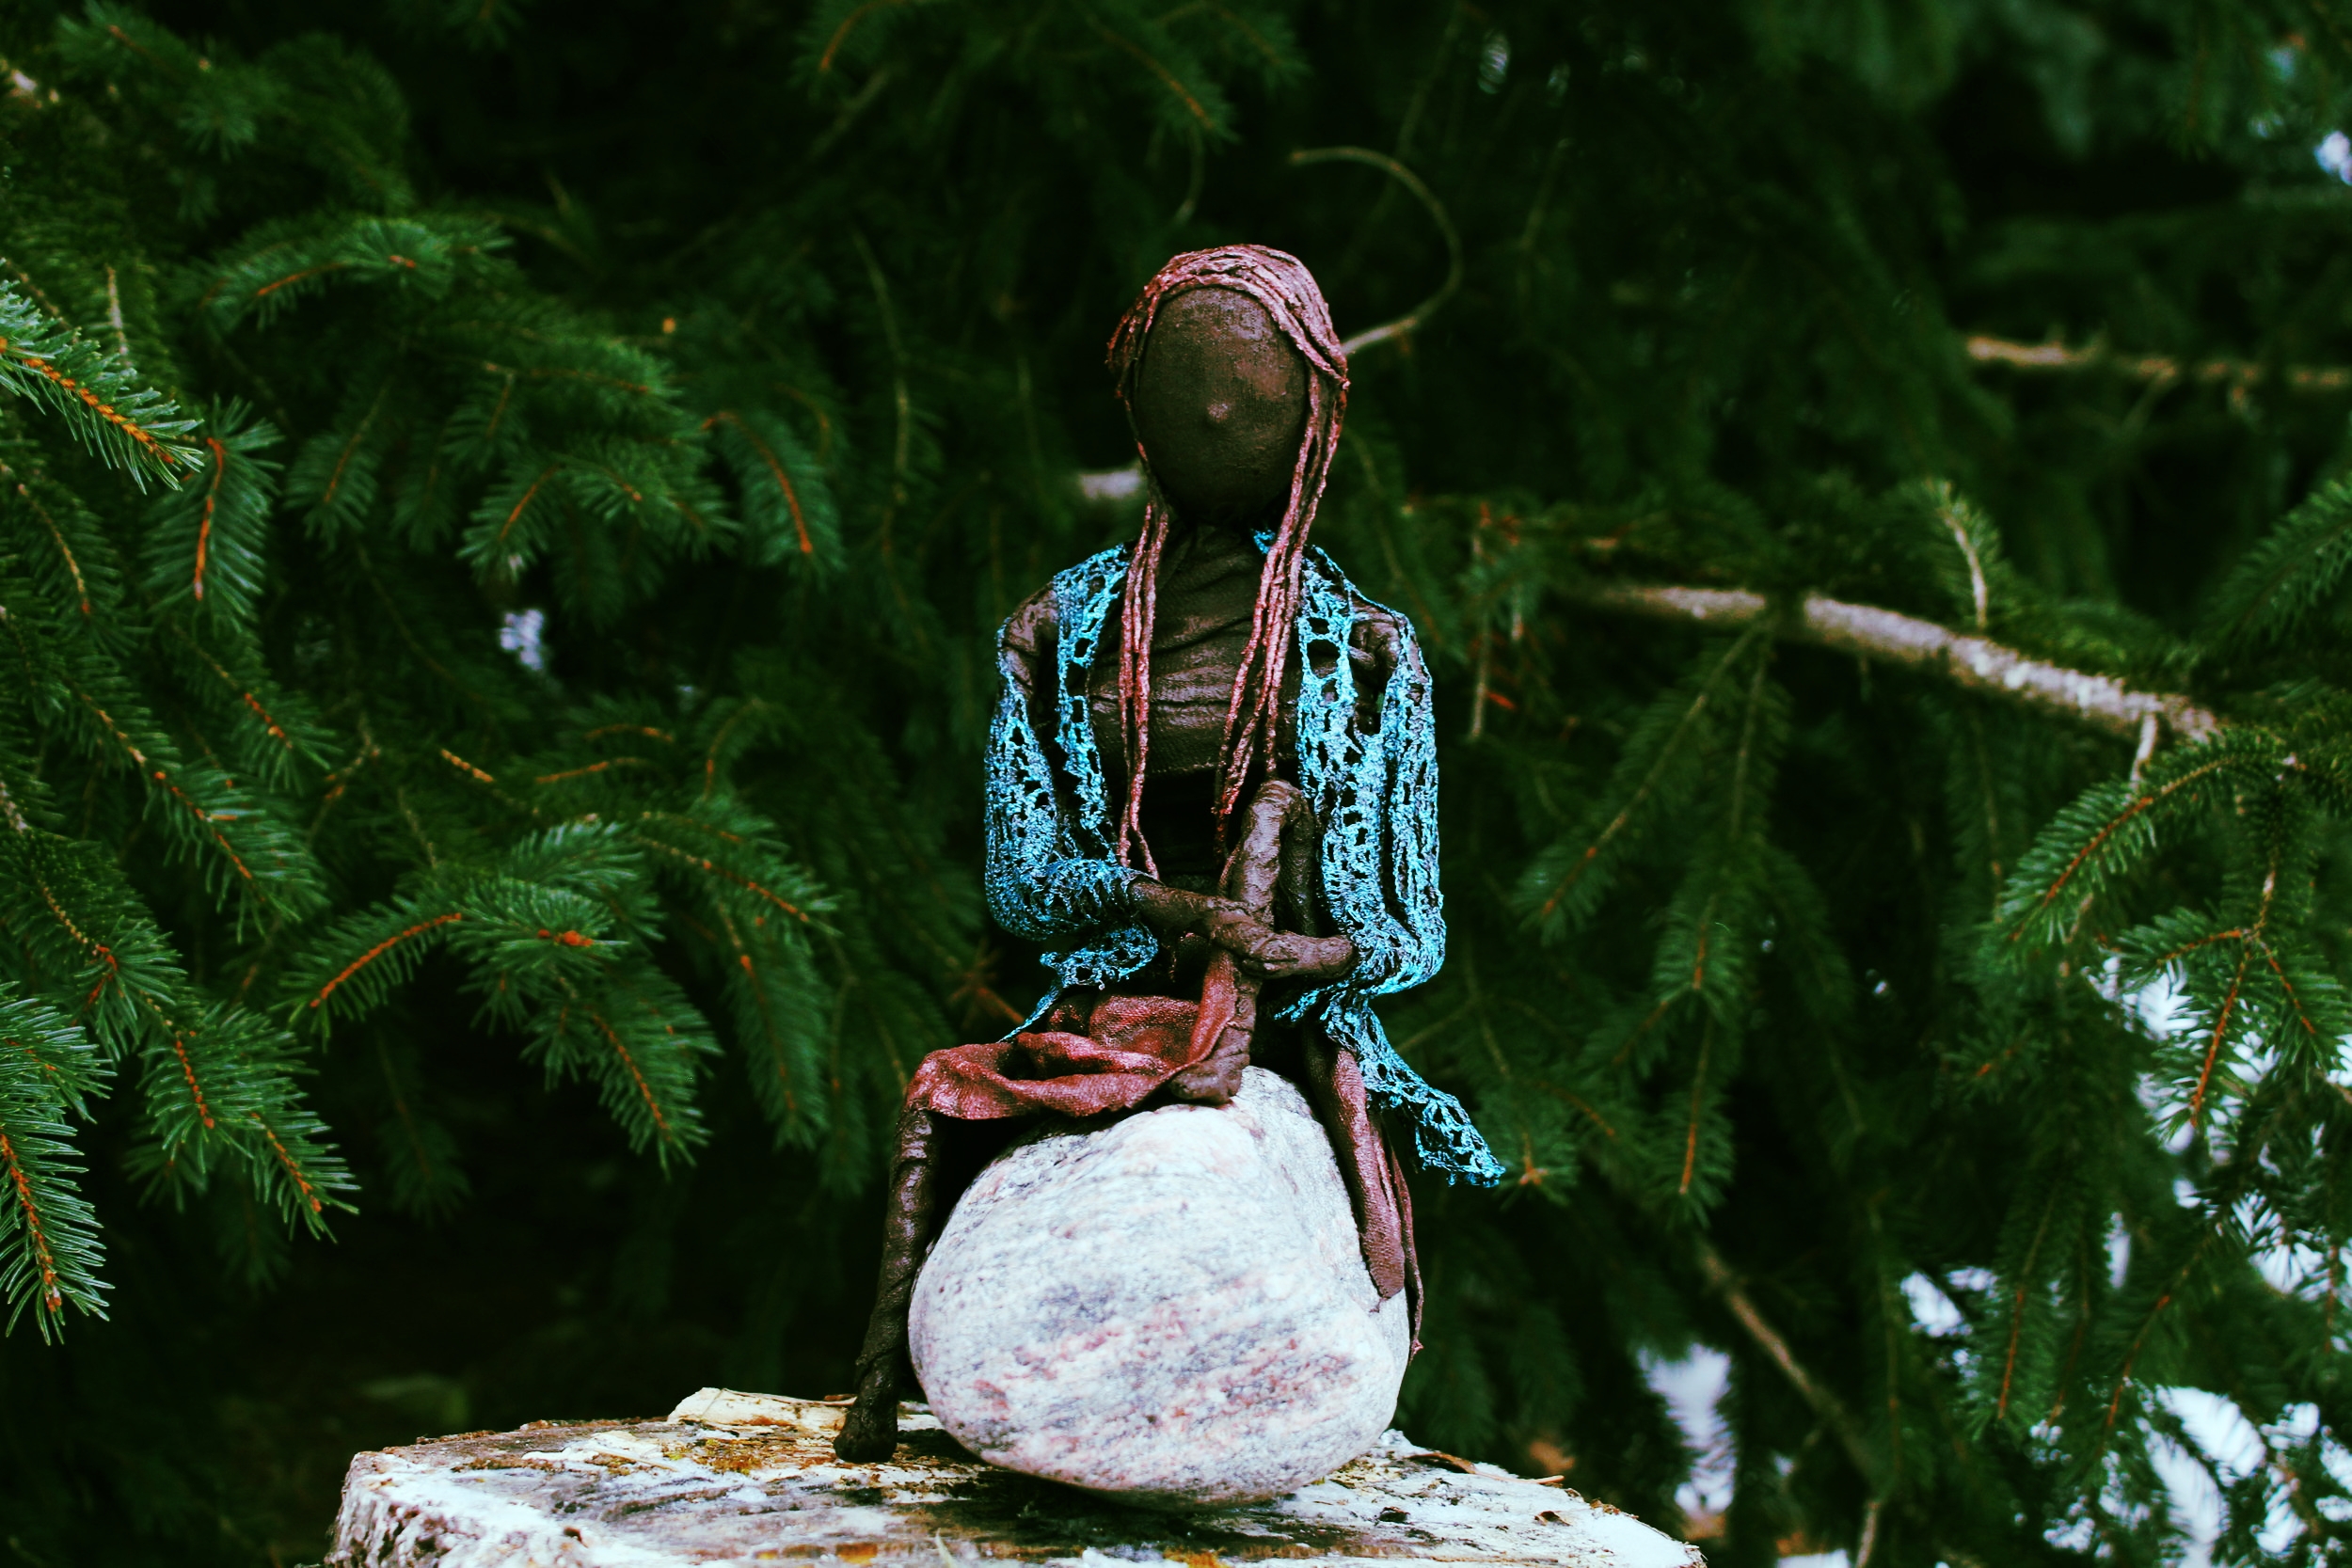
(1217, 805)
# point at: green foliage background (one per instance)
(735, 362)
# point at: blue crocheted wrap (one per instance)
(1051, 877)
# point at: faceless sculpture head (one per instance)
(1220, 407)
(1237, 384)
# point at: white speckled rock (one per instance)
(1172, 1309)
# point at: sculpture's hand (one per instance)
(1287, 956)
(1272, 955)
(1173, 912)
(1263, 952)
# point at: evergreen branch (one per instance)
(642, 1054)
(66, 554)
(286, 740)
(636, 1074)
(127, 425)
(40, 1262)
(848, 24)
(423, 252)
(2024, 1283)
(2157, 961)
(2140, 804)
(422, 927)
(602, 765)
(2221, 1031)
(224, 1085)
(771, 467)
(1699, 1093)
(179, 1042)
(2314, 1032)
(773, 991)
(2165, 1299)
(66, 901)
(1565, 890)
(567, 373)
(276, 871)
(523, 922)
(490, 550)
(205, 541)
(2098, 837)
(310, 1195)
(1209, 124)
(1973, 663)
(710, 865)
(336, 468)
(49, 1245)
(2289, 576)
(477, 775)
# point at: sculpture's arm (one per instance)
(1390, 865)
(1040, 886)
(1380, 845)
(1042, 883)
(1409, 751)
(1044, 886)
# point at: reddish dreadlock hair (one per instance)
(1281, 284)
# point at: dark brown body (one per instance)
(1236, 428)
(1208, 585)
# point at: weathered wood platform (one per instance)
(746, 1479)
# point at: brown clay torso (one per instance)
(1208, 587)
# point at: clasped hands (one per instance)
(1262, 952)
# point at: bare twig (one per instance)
(897, 361)
(1827, 1406)
(1975, 663)
(2055, 356)
(1412, 318)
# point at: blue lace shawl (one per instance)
(1051, 877)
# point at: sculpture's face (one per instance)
(1220, 405)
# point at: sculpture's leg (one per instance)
(1413, 1292)
(870, 1431)
(1375, 1182)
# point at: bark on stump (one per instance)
(748, 1478)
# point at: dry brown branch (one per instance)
(1826, 1405)
(2235, 373)
(1974, 663)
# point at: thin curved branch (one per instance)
(1825, 1402)
(1975, 663)
(2237, 373)
(1412, 318)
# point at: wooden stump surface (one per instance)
(747, 1478)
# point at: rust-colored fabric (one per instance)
(1132, 1045)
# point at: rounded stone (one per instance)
(1172, 1309)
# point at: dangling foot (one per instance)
(869, 1432)
(1216, 1081)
